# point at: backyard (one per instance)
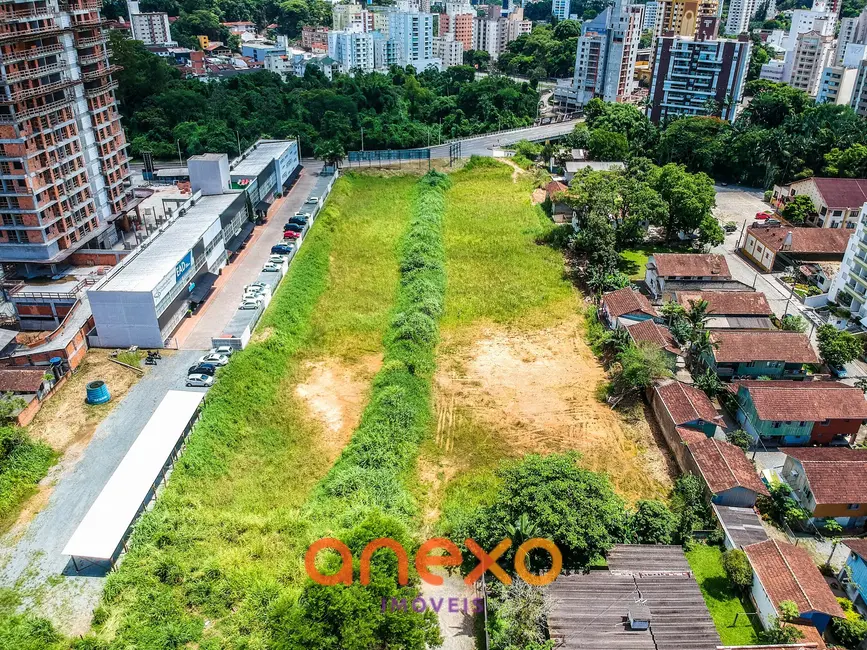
(721, 598)
(634, 260)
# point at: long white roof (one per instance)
(105, 524)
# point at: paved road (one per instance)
(484, 144)
(196, 332)
(32, 560)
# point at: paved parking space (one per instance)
(739, 204)
(196, 332)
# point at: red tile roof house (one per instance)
(836, 201)
(649, 331)
(760, 353)
(829, 482)
(30, 385)
(730, 477)
(784, 246)
(558, 211)
(682, 410)
(625, 307)
(665, 267)
(785, 572)
(800, 412)
(731, 309)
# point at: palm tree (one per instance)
(698, 313)
(699, 345)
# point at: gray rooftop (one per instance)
(742, 525)
(739, 323)
(207, 156)
(152, 261)
(647, 558)
(259, 158)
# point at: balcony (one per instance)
(28, 13)
(99, 90)
(36, 111)
(32, 53)
(89, 41)
(99, 73)
(37, 91)
(88, 22)
(99, 57)
(75, 6)
(30, 32)
(35, 72)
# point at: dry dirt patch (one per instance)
(536, 392)
(335, 394)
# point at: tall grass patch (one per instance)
(23, 463)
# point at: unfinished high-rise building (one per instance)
(63, 162)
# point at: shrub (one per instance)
(849, 631)
(653, 523)
(737, 568)
(740, 438)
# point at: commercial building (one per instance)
(812, 54)
(448, 50)
(63, 162)
(606, 54)
(837, 85)
(265, 171)
(151, 28)
(740, 13)
(699, 76)
(682, 16)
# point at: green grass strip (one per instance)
(23, 463)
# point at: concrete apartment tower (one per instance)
(151, 28)
(740, 13)
(63, 162)
(682, 16)
(813, 52)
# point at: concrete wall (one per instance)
(766, 611)
(126, 318)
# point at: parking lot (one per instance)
(739, 204)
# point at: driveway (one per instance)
(31, 559)
(196, 332)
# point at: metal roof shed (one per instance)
(101, 534)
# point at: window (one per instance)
(776, 425)
(802, 423)
(853, 506)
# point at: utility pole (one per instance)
(180, 158)
(239, 143)
(362, 138)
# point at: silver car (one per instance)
(215, 359)
(200, 381)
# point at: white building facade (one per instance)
(849, 287)
(740, 13)
(151, 28)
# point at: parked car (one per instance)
(216, 359)
(225, 350)
(249, 303)
(202, 381)
(838, 371)
(312, 199)
(764, 215)
(295, 221)
(303, 215)
(294, 227)
(773, 222)
(283, 249)
(257, 285)
(277, 259)
(202, 369)
(288, 234)
(270, 268)
(256, 293)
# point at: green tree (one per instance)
(638, 367)
(330, 151)
(653, 523)
(852, 630)
(709, 383)
(739, 438)
(850, 163)
(738, 569)
(605, 145)
(517, 616)
(838, 347)
(799, 209)
(576, 509)
(710, 233)
(778, 633)
(689, 502)
(689, 197)
(793, 323)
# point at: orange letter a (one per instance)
(345, 573)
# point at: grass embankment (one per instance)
(722, 600)
(222, 543)
(23, 463)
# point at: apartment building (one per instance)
(699, 76)
(492, 32)
(606, 54)
(364, 51)
(151, 28)
(651, 10)
(849, 287)
(837, 85)
(859, 94)
(813, 52)
(351, 17)
(740, 13)
(411, 34)
(314, 39)
(448, 50)
(63, 162)
(682, 16)
(458, 20)
(561, 9)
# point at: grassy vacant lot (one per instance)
(225, 538)
(722, 601)
(634, 260)
(514, 374)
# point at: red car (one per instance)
(764, 215)
(291, 235)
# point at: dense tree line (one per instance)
(545, 52)
(401, 109)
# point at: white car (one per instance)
(202, 381)
(254, 294)
(312, 199)
(277, 259)
(249, 304)
(256, 285)
(216, 359)
(224, 350)
(270, 267)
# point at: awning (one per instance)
(236, 241)
(262, 206)
(203, 286)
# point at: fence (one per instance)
(387, 156)
(544, 121)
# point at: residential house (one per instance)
(625, 307)
(853, 575)
(770, 246)
(759, 353)
(572, 167)
(29, 384)
(836, 201)
(649, 331)
(731, 309)
(829, 482)
(664, 268)
(681, 410)
(729, 477)
(800, 412)
(741, 526)
(216, 48)
(785, 572)
(560, 212)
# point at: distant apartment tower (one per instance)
(411, 34)
(813, 53)
(606, 54)
(314, 39)
(362, 51)
(560, 9)
(837, 85)
(682, 16)
(650, 12)
(852, 30)
(448, 50)
(492, 33)
(699, 76)
(351, 17)
(740, 13)
(151, 28)
(63, 162)
(458, 20)
(859, 94)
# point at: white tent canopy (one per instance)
(105, 525)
